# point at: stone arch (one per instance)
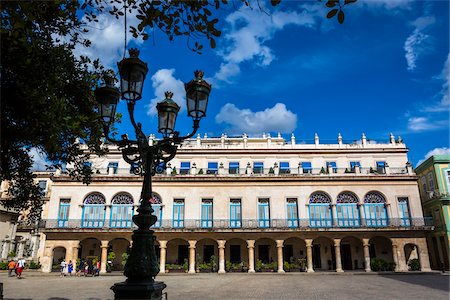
(58, 254)
(412, 253)
(374, 197)
(236, 252)
(381, 247)
(90, 248)
(207, 251)
(119, 246)
(94, 198)
(324, 257)
(294, 250)
(122, 198)
(347, 197)
(352, 253)
(265, 250)
(94, 210)
(319, 197)
(177, 251)
(156, 198)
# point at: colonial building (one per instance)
(434, 185)
(19, 237)
(250, 201)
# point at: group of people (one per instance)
(17, 267)
(83, 269)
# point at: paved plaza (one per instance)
(241, 286)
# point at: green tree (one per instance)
(47, 92)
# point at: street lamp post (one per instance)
(142, 265)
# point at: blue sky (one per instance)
(294, 71)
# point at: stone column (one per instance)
(361, 214)
(192, 256)
(104, 256)
(423, 256)
(366, 246)
(440, 258)
(280, 255)
(20, 248)
(5, 248)
(221, 245)
(162, 256)
(309, 258)
(47, 260)
(35, 239)
(251, 256)
(334, 220)
(337, 251)
(75, 253)
(398, 267)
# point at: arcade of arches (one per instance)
(321, 251)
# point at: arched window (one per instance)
(320, 210)
(347, 210)
(93, 215)
(157, 209)
(375, 209)
(121, 211)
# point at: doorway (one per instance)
(208, 252)
(317, 261)
(288, 252)
(263, 253)
(183, 253)
(235, 253)
(346, 256)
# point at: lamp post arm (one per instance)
(121, 143)
(178, 140)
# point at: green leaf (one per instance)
(332, 13)
(349, 2)
(341, 17)
(212, 42)
(331, 3)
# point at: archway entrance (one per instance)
(412, 257)
(59, 253)
(324, 257)
(381, 256)
(120, 247)
(352, 253)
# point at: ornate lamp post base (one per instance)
(138, 290)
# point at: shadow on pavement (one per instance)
(433, 281)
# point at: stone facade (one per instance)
(434, 183)
(249, 204)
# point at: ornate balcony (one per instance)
(225, 225)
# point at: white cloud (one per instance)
(275, 119)
(389, 4)
(435, 151)
(444, 102)
(418, 43)
(107, 37)
(421, 124)
(39, 160)
(250, 30)
(163, 81)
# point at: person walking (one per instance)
(11, 268)
(63, 267)
(70, 268)
(20, 267)
(80, 268)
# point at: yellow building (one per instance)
(434, 184)
(250, 204)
